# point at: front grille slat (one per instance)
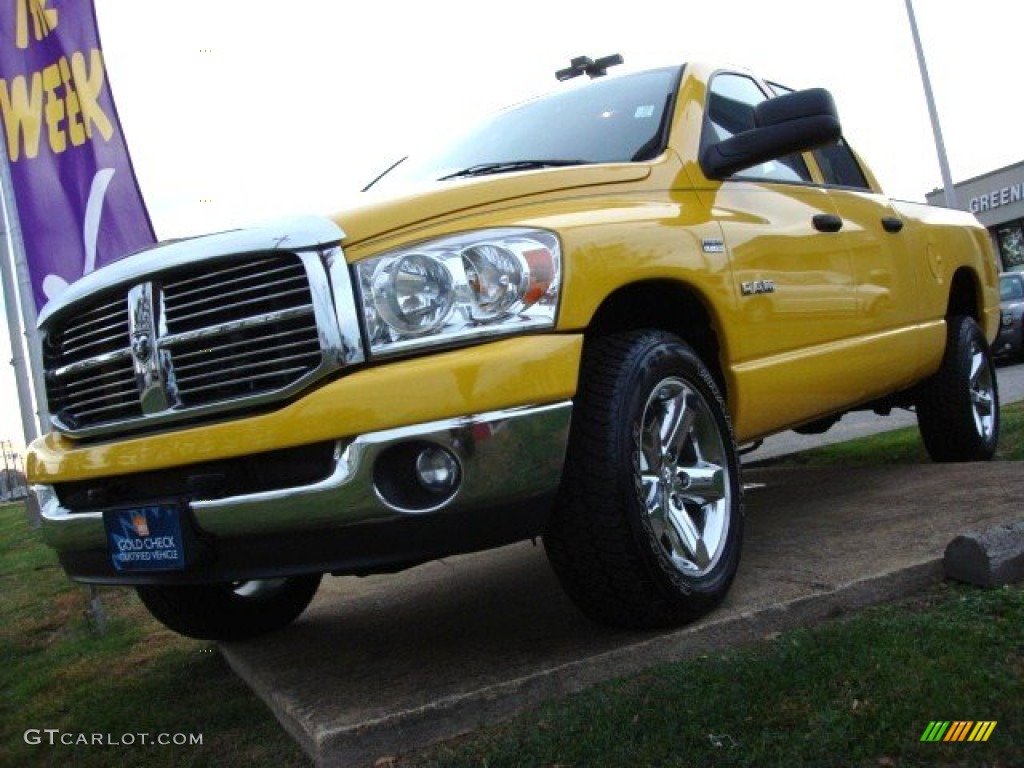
(123, 410)
(278, 341)
(91, 382)
(229, 298)
(265, 376)
(241, 329)
(126, 393)
(223, 274)
(106, 309)
(94, 333)
(113, 326)
(301, 350)
(238, 372)
(88, 350)
(183, 291)
(241, 352)
(238, 307)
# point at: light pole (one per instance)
(940, 147)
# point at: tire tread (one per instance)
(590, 542)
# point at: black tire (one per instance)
(616, 537)
(232, 611)
(958, 407)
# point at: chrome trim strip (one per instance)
(502, 462)
(345, 304)
(324, 311)
(294, 234)
(94, 362)
(172, 339)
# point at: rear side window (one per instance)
(731, 102)
(839, 166)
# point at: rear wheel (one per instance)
(958, 407)
(238, 610)
(647, 529)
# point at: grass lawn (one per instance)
(59, 672)
(859, 692)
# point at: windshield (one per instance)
(1011, 288)
(610, 120)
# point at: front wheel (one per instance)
(230, 611)
(958, 407)
(647, 528)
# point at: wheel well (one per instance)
(665, 305)
(963, 295)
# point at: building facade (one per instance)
(997, 199)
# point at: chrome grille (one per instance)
(89, 373)
(225, 332)
(240, 330)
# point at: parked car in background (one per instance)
(1010, 341)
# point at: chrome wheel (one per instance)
(958, 407)
(983, 397)
(684, 476)
(648, 525)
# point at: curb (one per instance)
(447, 718)
(990, 558)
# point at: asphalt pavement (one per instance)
(385, 665)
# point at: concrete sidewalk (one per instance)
(387, 664)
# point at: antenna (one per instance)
(586, 65)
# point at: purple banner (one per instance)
(78, 201)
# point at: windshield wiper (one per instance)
(507, 166)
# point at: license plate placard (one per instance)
(146, 538)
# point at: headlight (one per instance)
(413, 294)
(1007, 319)
(482, 283)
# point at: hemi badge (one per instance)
(754, 287)
(713, 246)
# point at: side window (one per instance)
(731, 102)
(839, 166)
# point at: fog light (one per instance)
(437, 470)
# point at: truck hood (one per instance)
(370, 216)
(374, 214)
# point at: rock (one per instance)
(988, 559)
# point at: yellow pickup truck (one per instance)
(562, 325)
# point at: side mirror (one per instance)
(794, 122)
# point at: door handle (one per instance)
(892, 224)
(827, 222)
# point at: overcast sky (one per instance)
(242, 110)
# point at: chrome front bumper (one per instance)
(509, 463)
